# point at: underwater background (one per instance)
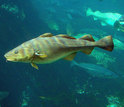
(59, 84)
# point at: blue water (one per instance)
(57, 84)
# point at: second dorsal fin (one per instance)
(87, 37)
(46, 35)
(65, 36)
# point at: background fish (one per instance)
(108, 18)
(95, 70)
(48, 48)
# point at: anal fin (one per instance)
(70, 57)
(87, 50)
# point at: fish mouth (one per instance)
(10, 59)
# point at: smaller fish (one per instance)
(108, 18)
(95, 70)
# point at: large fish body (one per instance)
(96, 70)
(48, 48)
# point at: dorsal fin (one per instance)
(87, 37)
(46, 35)
(70, 57)
(65, 36)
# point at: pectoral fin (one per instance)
(34, 65)
(43, 55)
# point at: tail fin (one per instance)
(106, 43)
(89, 12)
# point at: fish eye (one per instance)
(16, 52)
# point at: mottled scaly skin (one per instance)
(55, 47)
(47, 48)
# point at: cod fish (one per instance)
(95, 70)
(47, 48)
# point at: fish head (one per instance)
(19, 54)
